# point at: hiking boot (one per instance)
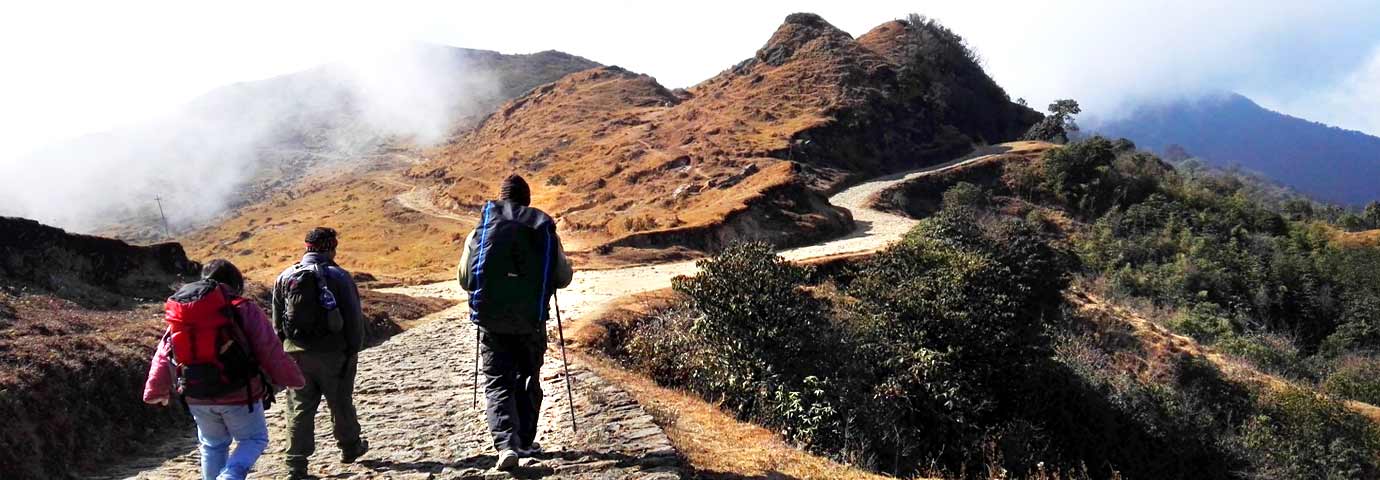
(351, 456)
(507, 460)
(531, 451)
(298, 472)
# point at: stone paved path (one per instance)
(414, 399)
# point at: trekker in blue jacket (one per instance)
(512, 264)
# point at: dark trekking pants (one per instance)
(512, 386)
(330, 375)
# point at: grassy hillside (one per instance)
(746, 155)
(1090, 312)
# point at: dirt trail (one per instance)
(418, 199)
(414, 399)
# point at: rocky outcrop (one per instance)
(87, 267)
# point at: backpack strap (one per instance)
(237, 331)
(173, 392)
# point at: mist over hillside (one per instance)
(1325, 162)
(234, 143)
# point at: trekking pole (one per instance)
(474, 397)
(565, 364)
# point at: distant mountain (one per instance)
(1327, 163)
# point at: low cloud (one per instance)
(199, 159)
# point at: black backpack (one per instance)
(510, 268)
(310, 312)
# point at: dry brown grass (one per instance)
(70, 384)
(1368, 238)
(716, 444)
(1150, 347)
(378, 234)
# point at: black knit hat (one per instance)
(321, 239)
(225, 273)
(515, 190)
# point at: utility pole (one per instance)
(166, 232)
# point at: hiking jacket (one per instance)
(268, 352)
(561, 272)
(350, 339)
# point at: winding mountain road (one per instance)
(414, 393)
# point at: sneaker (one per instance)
(531, 451)
(350, 457)
(507, 460)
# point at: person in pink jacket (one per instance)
(237, 416)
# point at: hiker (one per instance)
(512, 264)
(220, 357)
(317, 313)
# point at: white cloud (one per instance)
(1352, 102)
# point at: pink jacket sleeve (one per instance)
(159, 384)
(281, 369)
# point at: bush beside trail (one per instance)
(935, 356)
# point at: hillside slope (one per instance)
(748, 154)
(1325, 162)
(77, 322)
(79, 318)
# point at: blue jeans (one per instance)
(217, 426)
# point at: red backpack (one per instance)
(210, 353)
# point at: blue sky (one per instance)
(80, 67)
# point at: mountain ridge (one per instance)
(627, 162)
(1326, 162)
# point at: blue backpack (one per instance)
(511, 257)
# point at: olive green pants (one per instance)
(330, 375)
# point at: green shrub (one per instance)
(663, 346)
(1359, 330)
(753, 305)
(1300, 435)
(966, 195)
(1354, 378)
(1268, 352)
(953, 322)
(1205, 322)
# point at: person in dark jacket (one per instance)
(329, 363)
(512, 348)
